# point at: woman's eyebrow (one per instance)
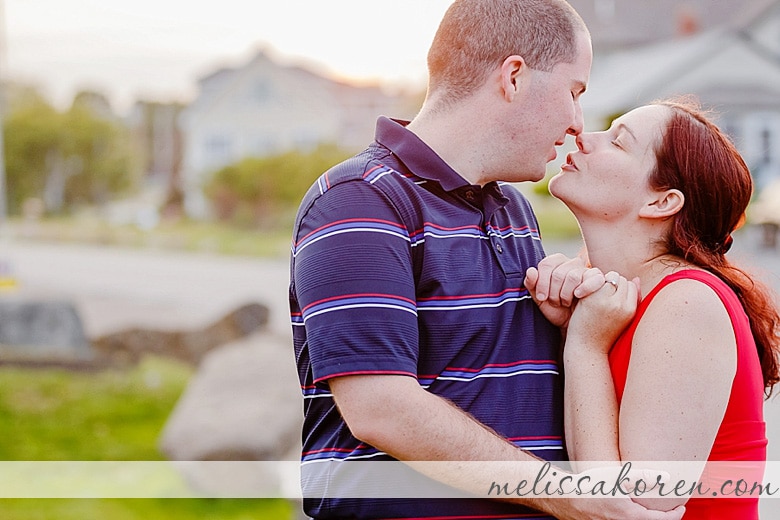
(622, 126)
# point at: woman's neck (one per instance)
(631, 253)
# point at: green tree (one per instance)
(103, 166)
(261, 190)
(32, 134)
(64, 158)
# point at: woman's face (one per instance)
(607, 177)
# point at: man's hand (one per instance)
(611, 509)
(558, 282)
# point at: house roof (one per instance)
(619, 24)
(752, 13)
(725, 65)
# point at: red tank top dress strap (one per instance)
(742, 433)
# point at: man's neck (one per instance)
(454, 138)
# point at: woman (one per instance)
(657, 197)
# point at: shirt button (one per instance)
(469, 195)
(499, 248)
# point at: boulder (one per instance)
(42, 331)
(244, 403)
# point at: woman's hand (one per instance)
(556, 284)
(598, 319)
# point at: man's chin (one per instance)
(538, 176)
(534, 176)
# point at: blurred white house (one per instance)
(264, 107)
(725, 53)
(616, 25)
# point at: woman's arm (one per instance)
(683, 361)
(590, 408)
(590, 405)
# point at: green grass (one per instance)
(185, 235)
(54, 414)
(112, 415)
(145, 509)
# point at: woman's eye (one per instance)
(616, 143)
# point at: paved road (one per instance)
(118, 288)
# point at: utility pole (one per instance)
(7, 279)
(3, 97)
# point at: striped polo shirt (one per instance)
(400, 266)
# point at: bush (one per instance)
(257, 190)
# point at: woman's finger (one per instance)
(592, 281)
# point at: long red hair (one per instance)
(698, 159)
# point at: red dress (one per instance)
(742, 434)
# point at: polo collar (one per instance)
(416, 155)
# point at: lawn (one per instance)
(556, 223)
(111, 415)
(184, 235)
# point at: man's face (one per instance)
(551, 110)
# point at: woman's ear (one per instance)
(513, 72)
(665, 204)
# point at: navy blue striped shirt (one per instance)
(400, 266)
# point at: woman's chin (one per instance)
(556, 189)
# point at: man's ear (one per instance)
(513, 72)
(663, 204)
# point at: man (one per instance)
(414, 337)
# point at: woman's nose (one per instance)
(580, 143)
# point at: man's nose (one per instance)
(578, 125)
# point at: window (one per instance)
(218, 149)
(262, 92)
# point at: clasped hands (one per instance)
(583, 300)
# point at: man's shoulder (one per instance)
(369, 173)
(369, 178)
(368, 166)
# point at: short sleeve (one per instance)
(353, 282)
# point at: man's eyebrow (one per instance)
(622, 126)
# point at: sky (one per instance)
(157, 50)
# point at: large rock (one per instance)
(244, 403)
(41, 331)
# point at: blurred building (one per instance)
(264, 108)
(160, 143)
(618, 24)
(732, 67)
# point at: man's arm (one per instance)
(397, 416)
